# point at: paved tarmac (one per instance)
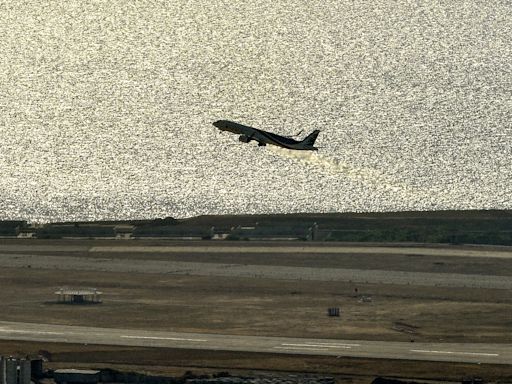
(274, 248)
(505, 253)
(453, 352)
(255, 271)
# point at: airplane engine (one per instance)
(244, 139)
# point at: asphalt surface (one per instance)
(109, 259)
(254, 271)
(306, 248)
(312, 249)
(452, 352)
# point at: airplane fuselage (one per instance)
(263, 138)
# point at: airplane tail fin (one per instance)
(310, 139)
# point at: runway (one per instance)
(325, 249)
(278, 248)
(255, 271)
(450, 352)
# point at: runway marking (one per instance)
(162, 338)
(301, 349)
(334, 343)
(31, 332)
(323, 345)
(455, 353)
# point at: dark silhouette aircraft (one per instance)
(263, 138)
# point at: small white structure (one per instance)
(79, 296)
(124, 231)
(27, 233)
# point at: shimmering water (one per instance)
(106, 106)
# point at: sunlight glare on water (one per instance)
(107, 107)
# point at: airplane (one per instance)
(263, 138)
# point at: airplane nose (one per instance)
(218, 124)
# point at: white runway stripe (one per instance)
(455, 353)
(301, 348)
(162, 338)
(31, 332)
(346, 346)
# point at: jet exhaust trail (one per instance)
(377, 180)
(326, 163)
(335, 167)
